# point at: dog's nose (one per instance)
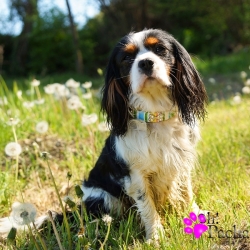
(146, 66)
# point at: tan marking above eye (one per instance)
(151, 41)
(130, 48)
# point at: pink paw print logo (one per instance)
(199, 228)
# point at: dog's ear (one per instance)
(115, 97)
(188, 89)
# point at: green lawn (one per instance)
(220, 182)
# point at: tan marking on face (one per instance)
(151, 41)
(130, 48)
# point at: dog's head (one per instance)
(151, 71)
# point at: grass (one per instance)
(220, 182)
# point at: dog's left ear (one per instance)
(188, 89)
(115, 97)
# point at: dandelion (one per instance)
(248, 82)
(212, 80)
(29, 92)
(87, 95)
(236, 99)
(243, 74)
(87, 85)
(61, 91)
(28, 105)
(107, 219)
(13, 149)
(246, 90)
(103, 127)
(13, 121)
(89, 119)
(74, 103)
(50, 88)
(22, 213)
(39, 101)
(71, 83)
(3, 101)
(19, 94)
(35, 83)
(42, 127)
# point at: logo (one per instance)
(194, 225)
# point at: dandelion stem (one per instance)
(66, 224)
(17, 158)
(33, 238)
(106, 237)
(40, 238)
(38, 93)
(55, 231)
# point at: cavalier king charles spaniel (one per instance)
(153, 97)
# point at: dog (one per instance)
(153, 98)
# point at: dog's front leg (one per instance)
(138, 188)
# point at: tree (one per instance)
(78, 53)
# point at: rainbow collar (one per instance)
(152, 116)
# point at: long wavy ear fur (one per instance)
(115, 97)
(188, 89)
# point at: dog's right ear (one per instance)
(115, 96)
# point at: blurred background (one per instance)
(42, 38)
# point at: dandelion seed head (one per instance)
(19, 94)
(71, 83)
(107, 219)
(248, 82)
(28, 105)
(35, 83)
(87, 95)
(246, 90)
(89, 119)
(87, 85)
(212, 80)
(13, 149)
(243, 74)
(42, 127)
(74, 103)
(13, 121)
(39, 102)
(236, 99)
(3, 101)
(103, 127)
(22, 213)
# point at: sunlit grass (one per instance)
(220, 182)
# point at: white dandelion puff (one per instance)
(42, 127)
(87, 95)
(39, 101)
(19, 94)
(3, 101)
(236, 99)
(22, 213)
(248, 82)
(28, 105)
(246, 90)
(87, 85)
(107, 219)
(89, 119)
(71, 83)
(212, 80)
(13, 121)
(103, 127)
(74, 103)
(243, 74)
(50, 88)
(13, 149)
(35, 83)
(61, 91)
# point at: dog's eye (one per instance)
(128, 58)
(159, 49)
